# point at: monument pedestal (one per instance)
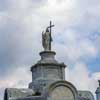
(46, 71)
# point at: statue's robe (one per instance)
(46, 40)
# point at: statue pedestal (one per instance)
(47, 54)
(46, 71)
(48, 57)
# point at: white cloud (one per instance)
(82, 78)
(96, 75)
(19, 78)
(75, 47)
(76, 29)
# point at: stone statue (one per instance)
(47, 38)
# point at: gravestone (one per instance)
(48, 78)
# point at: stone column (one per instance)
(98, 92)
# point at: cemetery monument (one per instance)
(48, 79)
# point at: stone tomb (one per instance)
(85, 95)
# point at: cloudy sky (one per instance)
(76, 40)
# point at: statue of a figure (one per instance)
(47, 38)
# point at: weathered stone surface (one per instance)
(61, 90)
(12, 93)
(85, 95)
(31, 98)
(46, 71)
(98, 92)
(62, 93)
(48, 57)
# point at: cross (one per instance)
(50, 26)
(50, 34)
(99, 82)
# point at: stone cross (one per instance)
(50, 26)
(50, 31)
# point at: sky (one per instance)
(76, 40)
